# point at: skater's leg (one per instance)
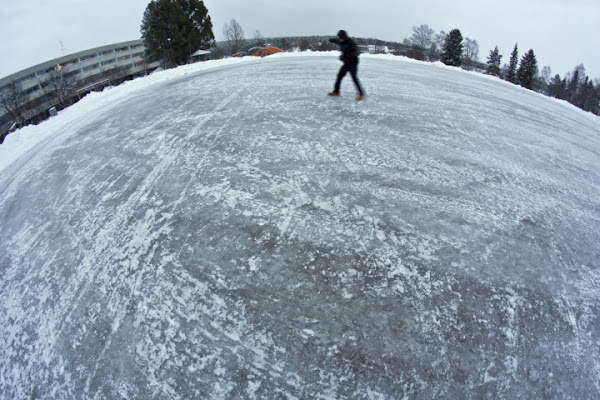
(354, 74)
(340, 76)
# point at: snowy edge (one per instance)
(23, 140)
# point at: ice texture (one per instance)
(226, 230)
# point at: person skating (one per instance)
(349, 57)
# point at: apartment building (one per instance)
(90, 70)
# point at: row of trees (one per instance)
(522, 73)
(576, 87)
(450, 48)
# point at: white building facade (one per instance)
(90, 70)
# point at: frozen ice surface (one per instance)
(226, 230)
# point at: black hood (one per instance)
(342, 34)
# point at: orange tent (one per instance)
(267, 51)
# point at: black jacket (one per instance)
(350, 50)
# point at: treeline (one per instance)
(576, 87)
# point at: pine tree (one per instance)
(511, 74)
(591, 99)
(596, 98)
(174, 29)
(200, 29)
(527, 70)
(573, 85)
(453, 48)
(557, 87)
(494, 62)
(583, 93)
(572, 88)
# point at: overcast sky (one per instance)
(563, 33)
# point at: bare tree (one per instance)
(258, 38)
(422, 37)
(470, 54)
(116, 75)
(234, 34)
(546, 74)
(326, 45)
(541, 82)
(61, 86)
(437, 46)
(283, 43)
(14, 101)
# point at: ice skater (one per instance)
(349, 57)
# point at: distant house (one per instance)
(200, 55)
(374, 49)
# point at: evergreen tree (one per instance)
(453, 48)
(595, 107)
(494, 62)
(174, 29)
(573, 84)
(511, 74)
(527, 70)
(585, 90)
(557, 87)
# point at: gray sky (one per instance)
(563, 33)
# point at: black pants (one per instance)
(353, 69)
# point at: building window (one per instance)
(88, 57)
(108, 62)
(31, 90)
(91, 67)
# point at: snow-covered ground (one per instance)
(226, 230)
